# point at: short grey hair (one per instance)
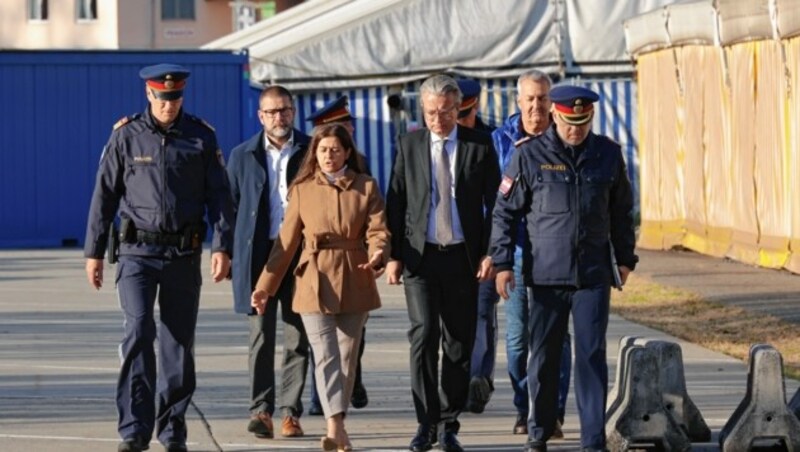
(441, 85)
(535, 76)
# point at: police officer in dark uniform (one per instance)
(468, 109)
(338, 112)
(161, 172)
(484, 350)
(572, 187)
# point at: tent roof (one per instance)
(337, 44)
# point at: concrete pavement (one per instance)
(58, 365)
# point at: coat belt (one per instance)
(308, 258)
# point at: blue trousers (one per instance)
(550, 309)
(485, 347)
(517, 339)
(144, 402)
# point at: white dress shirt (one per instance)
(277, 164)
(451, 148)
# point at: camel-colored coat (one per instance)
(338, 225)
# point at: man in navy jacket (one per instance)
(260, 171)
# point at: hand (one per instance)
(220, 265)
(375, 264)
(623, 273)
(485, 269)
(259, 301)
(94, 272)
(504, 283)
(394, 271)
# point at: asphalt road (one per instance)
(58, 366)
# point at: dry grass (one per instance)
(717, 327)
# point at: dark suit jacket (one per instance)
(477, 176)
(247, 172)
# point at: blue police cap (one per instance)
(332, 112)
(470, 90)
(166, 80)
(574, 104)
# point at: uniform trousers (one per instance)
(484, 349)
(550, 308)
(517, 340)
(441, 296)
(175, 283)
(262, 356)
(334, 341)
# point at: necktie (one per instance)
(444, 220)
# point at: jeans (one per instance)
(517, 335)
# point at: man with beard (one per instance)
(260, 172)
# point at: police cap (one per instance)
(470, 91)
(332, 112)
(574, 104)
(166, 81)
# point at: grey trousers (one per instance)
(335, 340)
(262, 356)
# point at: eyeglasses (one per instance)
(439, 113)
(278, 111)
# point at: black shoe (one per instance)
(448, 442)
(521, 424)
(135, 444)
(480, 391)
(315, 409)
(424, 439)
(359, 398)
(535, 446)
(174, 446)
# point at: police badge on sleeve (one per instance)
(506, 185)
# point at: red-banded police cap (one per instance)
(165, 80)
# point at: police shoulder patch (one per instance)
(522, 140)
(506, 185)
(124, 120)
(203, 122)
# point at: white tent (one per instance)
(339, 44)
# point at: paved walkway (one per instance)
(775, 292)
(58, 364)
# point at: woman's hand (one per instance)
(375, 264)
(259, 301)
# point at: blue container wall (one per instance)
(57, 112)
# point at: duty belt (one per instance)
(182, 241)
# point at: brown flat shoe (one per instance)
(290, 427)
(261, 425)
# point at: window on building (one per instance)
(177, 9)
(37, 9)
(87, 9)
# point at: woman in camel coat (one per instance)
(336, 214)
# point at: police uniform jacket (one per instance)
(339, 225)
(573, 210)
(248, 177)
(164, 181)
(481, 126)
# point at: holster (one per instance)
(112, 246)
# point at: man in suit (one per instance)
(440, 250)
(260, 171)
